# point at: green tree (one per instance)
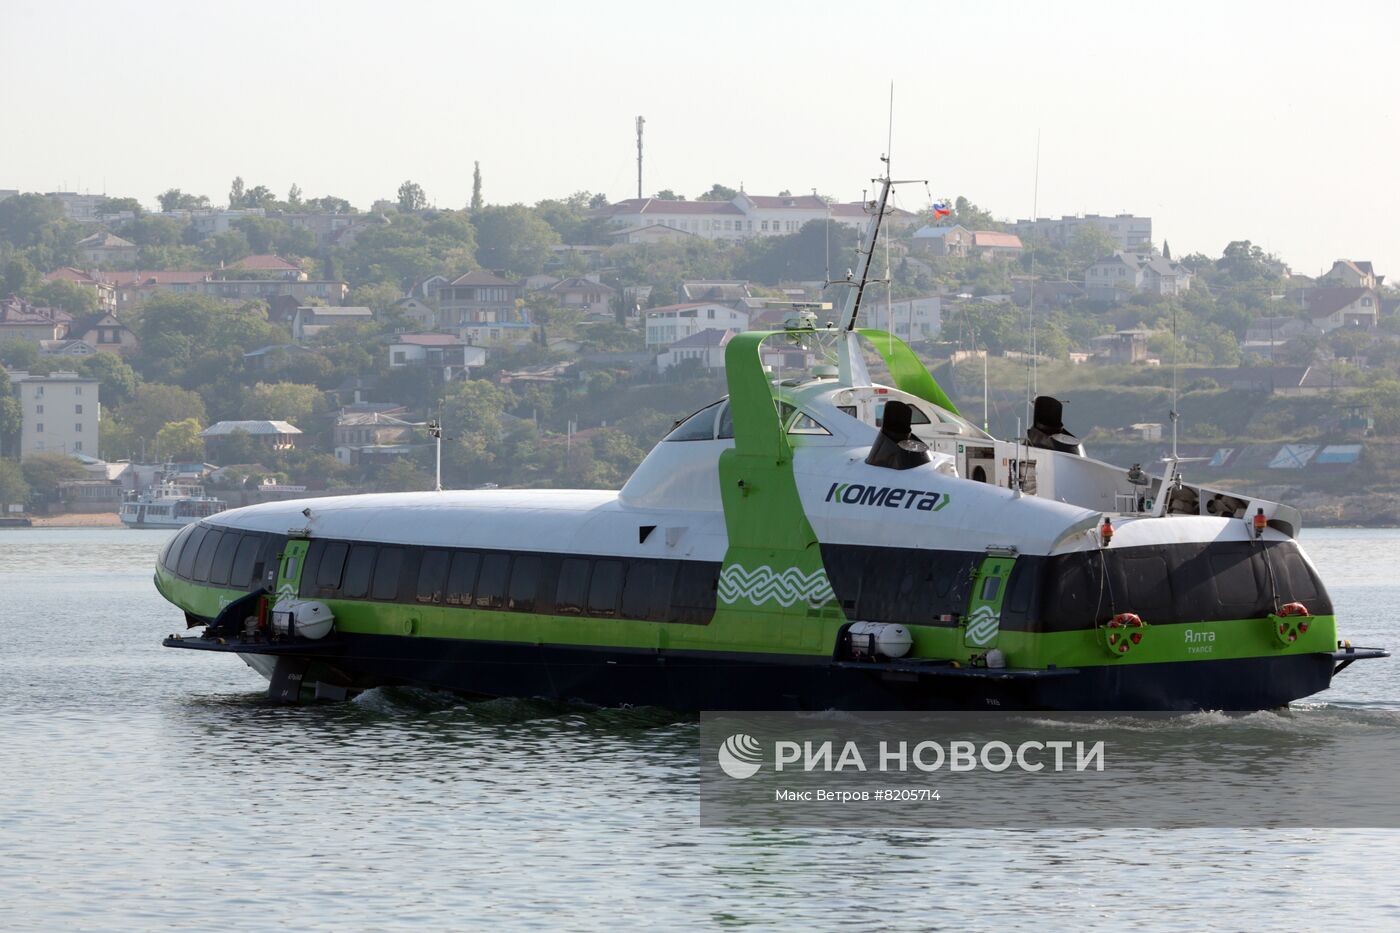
(236, 192)
(282, 401)
(173, 199)
(180, 440)
(11, 417)
(227, 248)
(70, 296)
(411, 197)
(19, 354)
(117, 378)
(155, 231)
(24, 218)
(14, 490)
(511, 237)
(330, 204)
(118, 205)
(294, 196)
(472, 423)
(154, 405)
(19, 277)
(476, 204)
(194, 340)
(718, 192)
(44, 471)
(403, 475)
(115, 438)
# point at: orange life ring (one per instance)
(1294, 609)
(1121, 642)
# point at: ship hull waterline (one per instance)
(699, 680)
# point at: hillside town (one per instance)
(276, 347)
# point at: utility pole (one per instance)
(640, 122)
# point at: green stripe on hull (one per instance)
(777, 633)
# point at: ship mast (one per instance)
(851, 363)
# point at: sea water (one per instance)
(145, 788)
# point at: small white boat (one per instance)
(169, 505)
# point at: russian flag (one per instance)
(941, 209)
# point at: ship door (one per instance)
(289, 574)
(983, 620)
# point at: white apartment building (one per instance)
(1130, 233)
(60, 413)
(908, 319)
(744, 217)
(668, 324)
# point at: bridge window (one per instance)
(461, 579)
(241, 574)
(524, 583)
(571, 590)
(604, 588)
(190, 550)
(432, 577)
(223, 558)
(385, 585)
(359, 571)
(698, 427)
(204, 558)
(491, 587)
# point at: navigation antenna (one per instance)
(1032, 371)
(641, 121)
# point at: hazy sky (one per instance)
(1272, 121)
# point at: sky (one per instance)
(1273, 122)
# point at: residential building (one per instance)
(498, 333)
(993, 244)
(955, 240)
(729, 293)
(104, 289)
(354, 428)
(1112, 279)
(79, 207)
(1047, 294)
(419, 312)
(310, 320)
(272, 357)
(1124, 346)
(1349, 274)
(66, 347)
(20, 320)
(60, 412)
(105, 333)
(583, 293)
(1129, 232)
(907, 319)
(1267, 334)
(264, 265)
(106, 249)
(668, 324)
(477, 298)
(651, 233)
(451, 356)
(275, 435)
(705, 346)
(134, 287)
(743, 217)
(1332, 306)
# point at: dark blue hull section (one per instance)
(696, 680)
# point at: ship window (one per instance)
(698, 427)
(223, 558)
(188, 552)
(329, 571)
(1233, 573)
(359, 571)
(693, 597)
(726, 422)
(386, 574)
(524, 583)
(1148, 584)
(1078, 595)
(572, 589)
(175, 547)
(269, 559)
(647, 592)
(432, 576)
(806, 424)
(462, 578)
(241, 574)
(491, 588)
(603, 588)
(916, 416)
(1295, 580)
(990, 587)
(1016, 609)
(204, 559)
